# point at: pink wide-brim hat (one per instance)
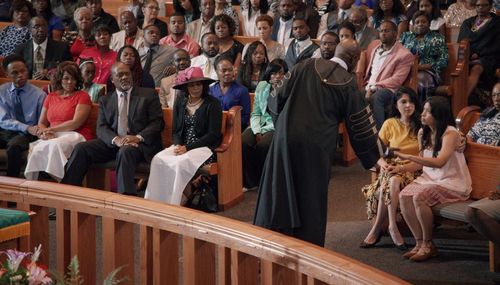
(189, 75)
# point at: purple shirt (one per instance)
(236, 95)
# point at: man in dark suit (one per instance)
(299, 47)
(128, 130)
(364, 34)
(288, 9)
(42, 53)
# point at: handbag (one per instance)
(202, 197)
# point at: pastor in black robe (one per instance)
(315, 97)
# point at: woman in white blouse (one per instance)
(264, 24)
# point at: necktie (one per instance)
(297, 48)
(18, 106)
(208, 68)
(149, 59)
(38, 60)
(123, 115)
(342, 16)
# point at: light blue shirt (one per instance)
(32, 99)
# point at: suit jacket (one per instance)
(368, 35)
(163, 58)
(55, 53)
(118, 40)
(291, 57)
(145, 118)
(395, 69)
(312, 19)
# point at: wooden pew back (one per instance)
(482, 160)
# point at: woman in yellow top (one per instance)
(400, 132)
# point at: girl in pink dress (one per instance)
(445, 176)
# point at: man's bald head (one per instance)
(348, 50)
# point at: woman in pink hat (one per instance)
(197, 119)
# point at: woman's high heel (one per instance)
(364, 244)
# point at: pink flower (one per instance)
(184, 75)
(38, 276)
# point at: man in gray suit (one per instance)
(156, 59)
(332, 20)
(364, 34)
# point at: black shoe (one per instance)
(402, 247)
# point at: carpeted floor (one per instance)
(463, 255)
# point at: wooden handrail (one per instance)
(213, 247)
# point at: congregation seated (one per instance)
(150, 9)
(391, 10)
(100, 17)
(209, 52)
(42, 54)
(483, 33)
(19, 32)
(250, 11)
(156, 59)
(128, 131)
(87, 69)
(458, 12)
(364, 33)
(300, 47)
(445, 176)
(188, 9)
(328, 43)
(264, 24)
(323, 7)
(229, 92)
(103, 56)
(196, 132)
(431, 8)
(178, 38)
(82, 37)
(388, 66)
(130, 56)
(432, 52)
(254, 64)
(487, 129)
(283, 21)
(167, 93)
(130, 35)
(332, 20)
(63, 123)
(197, 28)
(20, 107)
(257, 138)
(224, 27)
(43, 8)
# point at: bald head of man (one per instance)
(348, 50)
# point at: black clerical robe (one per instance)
(315, 97)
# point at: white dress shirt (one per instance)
(284, 31)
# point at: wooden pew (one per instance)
(451, 34)
(114, 7)
(228, 167)
(245, 39)
(5, 24)
(455, 76)
(482, 161)
(42, 84)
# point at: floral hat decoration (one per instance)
(189, 75)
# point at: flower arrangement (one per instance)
(21, 268)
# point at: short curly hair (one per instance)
(225, 19)
(18, 5)
(72, 69)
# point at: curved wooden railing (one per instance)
(174, 243)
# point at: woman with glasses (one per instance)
(150, 11)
